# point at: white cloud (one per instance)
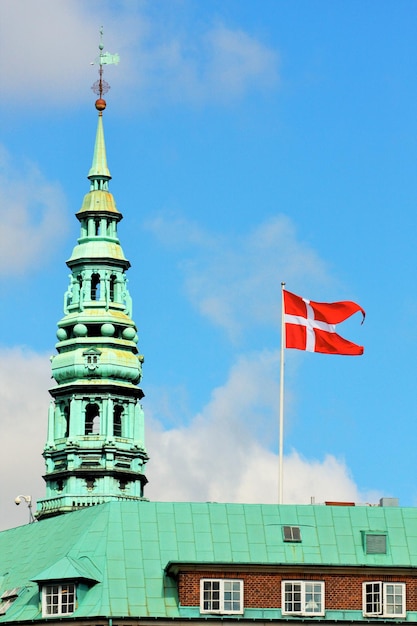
(32, 213)
(234, 281)
(47, 46)
(216, 66)
(24, 381)
(238, 61)
(224, 453)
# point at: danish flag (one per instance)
(311, 325)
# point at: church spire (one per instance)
(95, 445)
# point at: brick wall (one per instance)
(263, 590)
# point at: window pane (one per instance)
(293, 597)
(221, 596)
(231, 597)
(393, 599)
(211, 595)
(67, 603)
(313, 598)
(59, 599)
(305, 598)
(291, 533)
(373, 599)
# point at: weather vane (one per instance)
(101, 87)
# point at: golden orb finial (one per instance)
(100, 104)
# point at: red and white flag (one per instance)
(311, 325)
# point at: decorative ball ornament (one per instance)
(100, 104)
(80, 330)
(129, 333)
(61, 334)
(108, 330)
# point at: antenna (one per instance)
(101, 87)
(28, 500)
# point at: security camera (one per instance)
(18, 499)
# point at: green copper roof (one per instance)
(99, 166)
(128, 545)
(103, 250)
(99, 201)
(67, 569)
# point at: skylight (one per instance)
(291, 534)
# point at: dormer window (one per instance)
(91, 358)
(62, 586)
(58, 599)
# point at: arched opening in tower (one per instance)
(95, 286)
(92, 419)
(67, 420)
(112, 285)
(117, 421)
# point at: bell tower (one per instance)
(95, 444)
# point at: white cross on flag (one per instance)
(311, 325)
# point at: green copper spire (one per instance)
(99, 173)
(95, 448)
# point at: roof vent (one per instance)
(388, 502)
(375, 542)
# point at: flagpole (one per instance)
(281, 402)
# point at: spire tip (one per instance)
(101, 87)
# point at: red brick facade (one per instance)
(343, 591)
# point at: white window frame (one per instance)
(385, 591)
(291, 534)
(59, 599)
(223, 601)
(302, 590)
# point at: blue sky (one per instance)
(249, 143)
